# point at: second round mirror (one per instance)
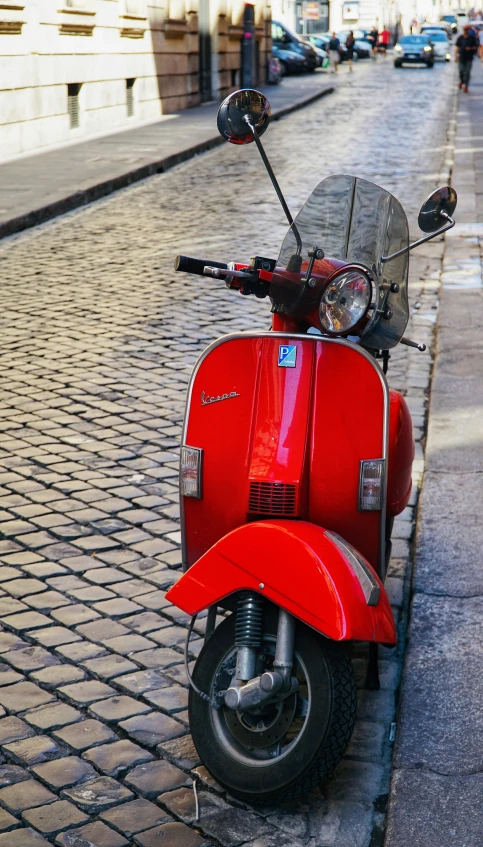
(442, 200)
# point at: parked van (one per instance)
(294, 53)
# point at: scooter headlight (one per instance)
(345, 301)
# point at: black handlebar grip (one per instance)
(195, 266)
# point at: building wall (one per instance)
(98, 45)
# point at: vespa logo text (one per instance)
(287, 356)
(206, 400)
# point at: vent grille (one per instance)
(272, 498)
(73, 90)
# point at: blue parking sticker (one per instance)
(287, 356)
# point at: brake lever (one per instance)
(408, 343)
(250, 282)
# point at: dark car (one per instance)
(294, 53)
(291, 62)
(414, 49)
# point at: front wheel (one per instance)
(278, 751)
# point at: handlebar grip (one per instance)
(195, 266)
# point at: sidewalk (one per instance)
(437, 784)
(39, 187)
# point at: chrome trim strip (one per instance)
(234, 336)
(369, 586)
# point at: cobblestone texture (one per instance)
(98, 341)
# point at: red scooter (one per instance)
(295, 459)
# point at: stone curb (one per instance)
(106, 187)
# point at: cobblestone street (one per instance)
(99, 337)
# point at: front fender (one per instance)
(296, 565)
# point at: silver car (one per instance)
(440, 42)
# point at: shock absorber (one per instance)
(248, 634)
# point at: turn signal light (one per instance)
(371, 485)
(190, 471)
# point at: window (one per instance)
(277, 32)
(73, 90)
(130, 97)
(87, 6)
(134, 9)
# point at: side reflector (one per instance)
(190, 472)
(360, 567)
(371, 485)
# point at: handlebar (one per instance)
(189, 265)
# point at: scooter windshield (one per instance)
(354, 221)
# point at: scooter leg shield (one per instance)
(300, 567)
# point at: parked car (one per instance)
(290, 61)
(414, 49)
(440, 42)
(323, 54)
(295, 54)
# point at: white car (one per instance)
(440, 42)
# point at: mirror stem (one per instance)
(275, 184)
(445, 228)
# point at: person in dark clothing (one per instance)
(373, 37)
(334, 52)
(466, 47)
(349, 46)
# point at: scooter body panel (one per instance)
(401, 455)
(285, 441)
(296, 565)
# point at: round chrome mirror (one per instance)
(230, 121)
(442, 200)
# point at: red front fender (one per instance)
(298, 567)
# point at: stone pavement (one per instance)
(437, 785)
(38, 187)
(99, 337)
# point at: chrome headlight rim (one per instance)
(361, 324)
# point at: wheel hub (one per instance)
(262, 727)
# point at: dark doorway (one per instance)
(204, 50)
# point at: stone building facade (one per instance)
(72, 69)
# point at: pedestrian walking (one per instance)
(466, 47)
(384, 41)
(373, 37)
(349, 46)
(334, 52)
(480, 49)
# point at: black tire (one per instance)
(285, 70)
(430, 64)
(398, 64)
(311, 755)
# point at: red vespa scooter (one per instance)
(295, 459)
